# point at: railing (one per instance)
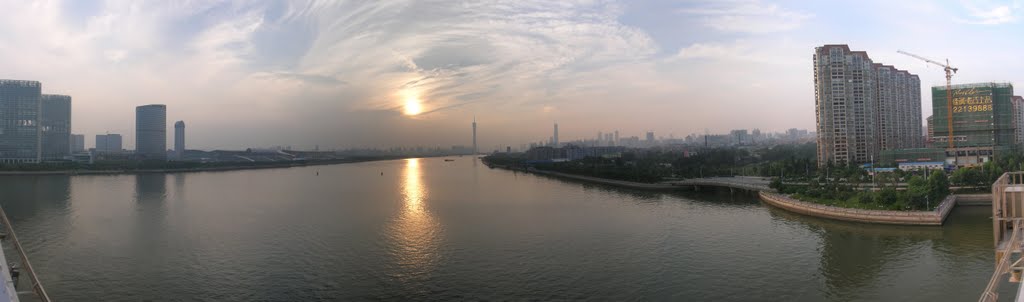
(1007, 221)
(37, 287)
(1003, 266)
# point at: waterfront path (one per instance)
(737, 182)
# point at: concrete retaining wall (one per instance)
(974, 199)
(871, 216)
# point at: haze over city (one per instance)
(403, 73)
(511, 150)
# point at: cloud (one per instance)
(745, 16)
(309, 79)
(990, 15)
(779, 52)
(220, 64)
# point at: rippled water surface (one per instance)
(426, 229)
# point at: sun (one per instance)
(413, 107)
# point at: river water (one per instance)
(427, 229)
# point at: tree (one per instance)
(917, 191)
(938, 185)
(776, 184)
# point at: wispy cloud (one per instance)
(782, 52)
(991, 14)
(745, 16)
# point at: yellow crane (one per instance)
(950, 70)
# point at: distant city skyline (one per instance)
(286, 73)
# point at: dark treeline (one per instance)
(654, 165)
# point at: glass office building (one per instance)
(19, 121)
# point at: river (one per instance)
(427, 229)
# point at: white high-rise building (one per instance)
(862, 107)
(475, 150)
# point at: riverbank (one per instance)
(936, 217)
(193, 169)
(590, 179)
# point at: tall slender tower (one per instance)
(179, 140)
(556, 136)
(474, 136)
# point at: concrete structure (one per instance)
(55, 126)
(650, 136)
(179, 140)
(77, 143)
(862, 107)
(936, 217)
(151, 132)
(19, 121)
(475, 150)
(983, 119)
(1007, 222)
(108, 143)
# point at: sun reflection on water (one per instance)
(414, 232)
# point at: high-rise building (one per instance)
(108, 143)
(931, 132)
(983, 121)
(179, 140)
(862, 107)
(77, 143)
(740, 136)
(55, 126)
(475, 150)
(899, 108)
(650, 136)
(19, 121)
(151, 131)
(555, 138)
(1018, 119)
(616, 142)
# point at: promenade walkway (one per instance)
(737, 182)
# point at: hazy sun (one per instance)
(413, 107)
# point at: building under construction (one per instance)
(983, 122)
(863, 107)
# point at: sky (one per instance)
(344, 74)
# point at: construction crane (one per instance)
(950, 70)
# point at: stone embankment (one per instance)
(936, 217)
